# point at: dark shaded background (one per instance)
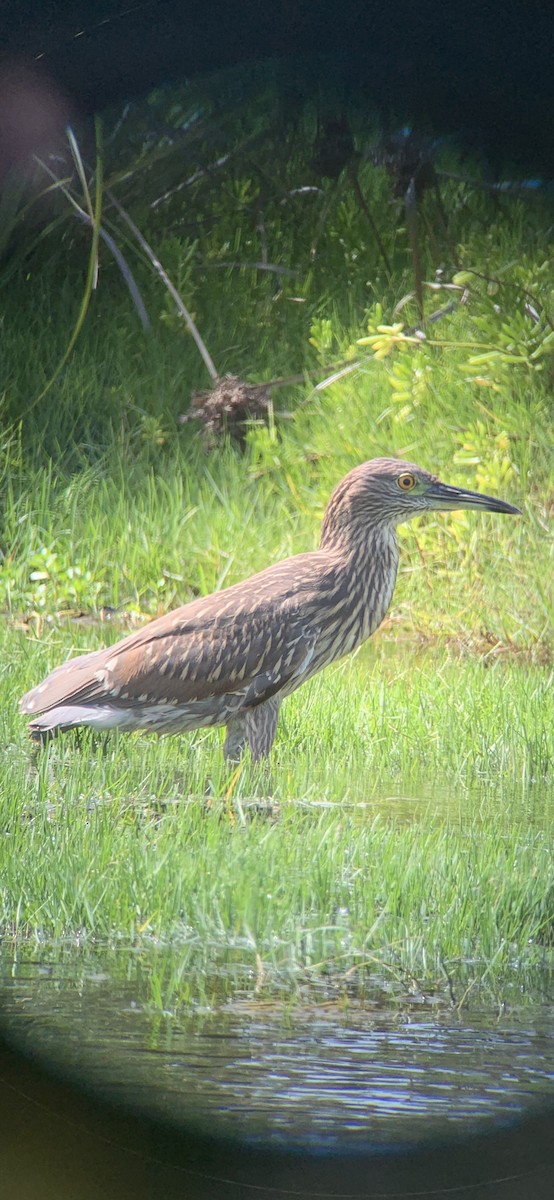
(484, 70)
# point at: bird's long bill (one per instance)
(444, 497)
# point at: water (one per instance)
(316, 1077)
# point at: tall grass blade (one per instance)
(192, 328)
(92, 273)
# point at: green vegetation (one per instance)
(402, 832)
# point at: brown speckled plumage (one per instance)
(231, 657)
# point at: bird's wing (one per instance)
(244, 654)
(179, 659)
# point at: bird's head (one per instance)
(389, 491)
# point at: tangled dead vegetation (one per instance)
(228, 408)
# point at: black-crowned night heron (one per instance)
(230, 658)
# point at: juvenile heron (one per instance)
(230, 658)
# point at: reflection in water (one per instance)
(318, 1076)
(422, 801)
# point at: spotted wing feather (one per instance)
(188, 664)
(183, 662)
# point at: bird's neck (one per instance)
(368, 562)
(355, 544)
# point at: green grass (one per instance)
(402, 831)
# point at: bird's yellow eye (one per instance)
(406, 481)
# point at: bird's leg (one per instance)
(261, 726)
(235, 740)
